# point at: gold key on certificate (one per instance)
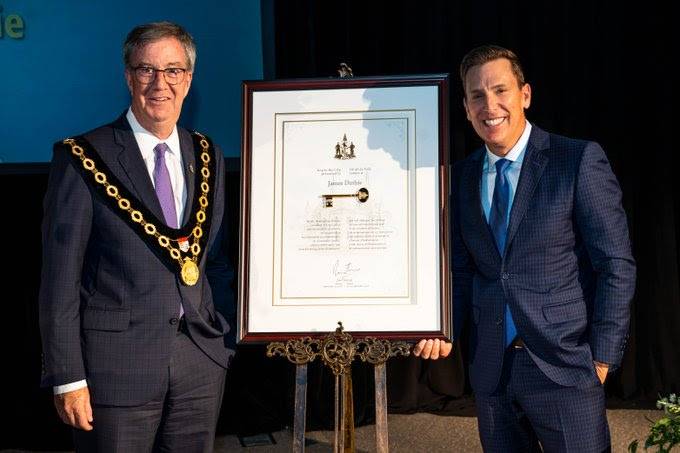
(361, 196)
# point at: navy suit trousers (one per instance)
(528, 408)
(182, 418)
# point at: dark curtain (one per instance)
(599, 71)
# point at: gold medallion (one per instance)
(189, 272)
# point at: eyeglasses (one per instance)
(147, 74)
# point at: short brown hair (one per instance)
(484, 54)
(154, 31)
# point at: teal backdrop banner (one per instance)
(62, 72)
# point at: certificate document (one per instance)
(345, 208)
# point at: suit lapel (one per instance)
(532, 169)
(473, 179)
(186, 145)
(130, 159)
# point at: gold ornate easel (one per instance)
(338, 350)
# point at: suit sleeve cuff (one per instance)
(59, 389)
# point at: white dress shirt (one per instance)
(173, 159)
(516, 157)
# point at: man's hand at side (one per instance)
(74, 408)
(602, 370)
(432, 349)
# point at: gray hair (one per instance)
(154, 31)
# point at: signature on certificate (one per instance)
(343, 270)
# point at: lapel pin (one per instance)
(191, 168)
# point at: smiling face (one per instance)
(494, 103)
(157, 105)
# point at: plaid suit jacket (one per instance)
(108, 305)
(567, 272)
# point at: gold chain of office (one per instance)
(188, 266)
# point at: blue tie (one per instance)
(498, 221)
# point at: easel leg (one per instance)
(336, 416)
(347, 413)
(300, 408)
(381, 408)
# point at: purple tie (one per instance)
(161, 179)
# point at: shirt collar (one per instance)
(516, 154)
(147, 141)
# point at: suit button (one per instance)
(505, 276)
(499, 321)
(174, 321)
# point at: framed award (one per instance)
(344, 208)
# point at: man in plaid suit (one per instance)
(133, 278)
(542, 268)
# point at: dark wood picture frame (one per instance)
(249, 177)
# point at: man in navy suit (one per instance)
(542, 268)
(133, 280)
